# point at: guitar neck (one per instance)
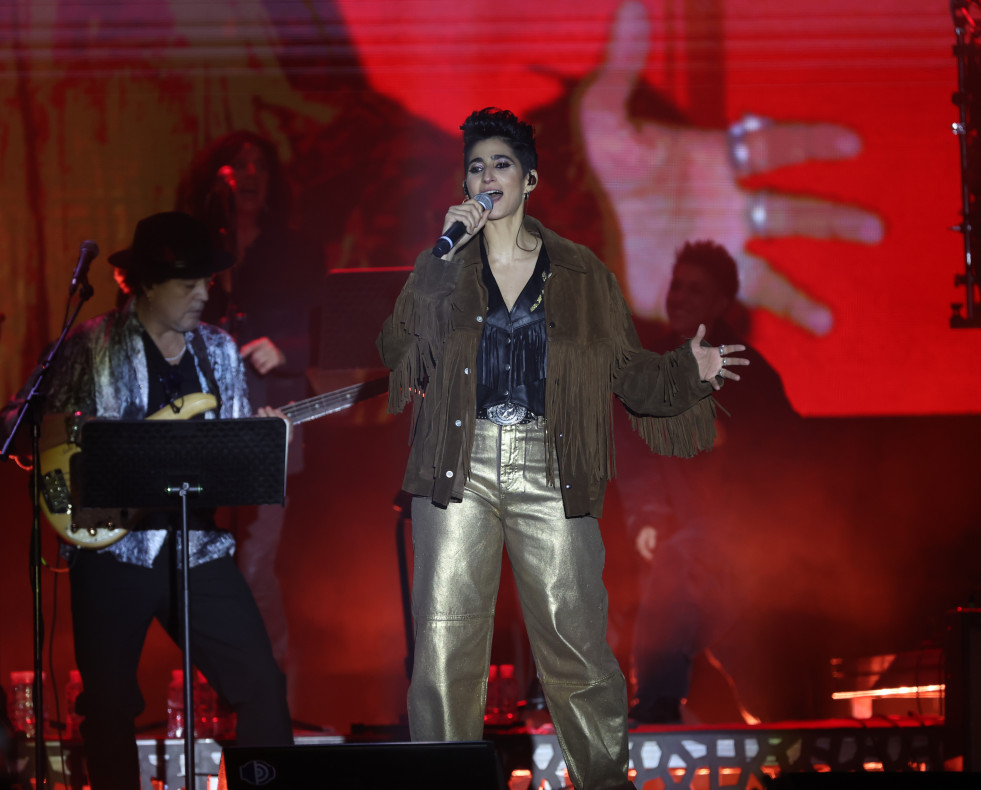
(330, 402)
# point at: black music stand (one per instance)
(356, 304)
(160, 463)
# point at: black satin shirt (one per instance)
(513, 352)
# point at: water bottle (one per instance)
(507, 695)
(72, 689)
(492, 709)
(205, 707)
(20, 707)
(175, 704)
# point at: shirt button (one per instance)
(466, 371)
(449, 473)
(551, 324)
(507, 367)
(480, 319)
(458, 423)
(567, 485)
(507, 341)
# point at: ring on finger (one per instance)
(757, 213)
(736, 140)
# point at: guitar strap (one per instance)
(201, 353)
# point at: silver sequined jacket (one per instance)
(102, 371)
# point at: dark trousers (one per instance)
(686, 604)
(113, 605)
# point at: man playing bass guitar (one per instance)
(127, 364)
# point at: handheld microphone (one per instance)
(458, 230)
(223, 192)
(219, 209)
(226, 175)
(87, 252)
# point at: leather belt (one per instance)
(509, 414)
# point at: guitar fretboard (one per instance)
(330, 402)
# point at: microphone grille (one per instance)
(225, 176)
(485, 200)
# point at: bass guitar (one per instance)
(94, 528)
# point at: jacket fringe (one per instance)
(682, 436)
(579, 383)
(459, 352)
(426, 319)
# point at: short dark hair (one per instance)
(715, 260)
(494, 122)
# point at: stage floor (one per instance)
(696, 757)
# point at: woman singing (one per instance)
(509, 348)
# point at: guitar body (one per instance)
(91, 528)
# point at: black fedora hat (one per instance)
(171, 245)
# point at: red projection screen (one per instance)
(838, 211)
(884, 72)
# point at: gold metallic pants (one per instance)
(558, 568)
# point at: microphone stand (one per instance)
(31, 405)
(966, 99)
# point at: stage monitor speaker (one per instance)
(471, 765)
(962, 693)
(875, 780)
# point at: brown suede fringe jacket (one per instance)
(430, 344)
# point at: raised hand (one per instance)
(646, 542)
(472, 215)
(263, 355)
(713, 361)
(670, 184)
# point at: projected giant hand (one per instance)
(668, 184)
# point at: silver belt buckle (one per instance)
(506, 413)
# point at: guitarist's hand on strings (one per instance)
(269, 411)
(263, 354)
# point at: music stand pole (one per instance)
(190, 717)
(145, 463)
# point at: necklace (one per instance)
(176, 356)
